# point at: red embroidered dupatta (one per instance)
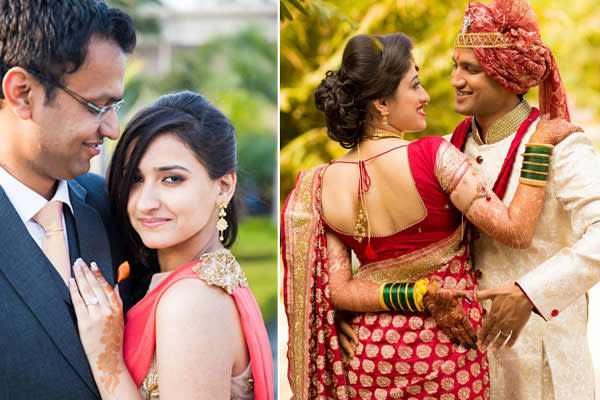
(315, 362)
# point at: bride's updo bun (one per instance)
(372, 67)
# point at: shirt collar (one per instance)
(504, 126)
(26, 201)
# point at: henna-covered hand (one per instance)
(346, 336)
(99, 313)
(553, 131)
(445, 306)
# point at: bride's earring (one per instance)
(384, 115)
(222, 222)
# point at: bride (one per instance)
(198, 333)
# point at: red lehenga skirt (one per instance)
(406, 356)
(400, 356)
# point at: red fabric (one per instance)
(405, 355)
(528, 62)
(441, 220)
(139, 339)
(460, 134)
(316, 369)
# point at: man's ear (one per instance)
(16, 86)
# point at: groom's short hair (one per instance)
(51, 37)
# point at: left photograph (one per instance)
(138, 199)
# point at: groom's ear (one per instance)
(17, 88)
(227, 185)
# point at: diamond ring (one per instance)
(92, 301)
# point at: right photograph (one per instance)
(440, 200)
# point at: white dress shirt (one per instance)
(28, 203)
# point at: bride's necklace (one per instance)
(381, 134)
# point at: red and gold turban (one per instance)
(505, 38)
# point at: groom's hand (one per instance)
(510, 312)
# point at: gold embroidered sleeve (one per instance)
(458, 178)
(221, 269)
(450, 166)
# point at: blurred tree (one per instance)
(146, 25)
(312, 43)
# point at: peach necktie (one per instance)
(53, 245)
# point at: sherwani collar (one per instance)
(504, 126)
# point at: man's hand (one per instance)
(510, 312)
(347, 338)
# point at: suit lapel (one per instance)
(91, 232)
(28, 271)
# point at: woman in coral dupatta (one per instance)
(198, 332)
(412, 298)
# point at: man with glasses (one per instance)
(62, 64)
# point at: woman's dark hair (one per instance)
(372, 67)
(202, 128)
(52, 37)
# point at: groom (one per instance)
(498, 57)
(62, 64)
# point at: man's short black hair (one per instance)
(51, 37)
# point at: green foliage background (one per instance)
(313, 34)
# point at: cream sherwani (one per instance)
(551, 359)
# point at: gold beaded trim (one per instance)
(504, 126)
(481, 40)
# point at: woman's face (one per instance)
(406, 106)
(173, 201)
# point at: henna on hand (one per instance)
(445, 307)
(112, 339)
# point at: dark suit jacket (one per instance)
(41, 356)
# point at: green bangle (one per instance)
(401, 296)
(534, 176)
(538, 150)
(533, 167)
(394, 297)
(410, 297)
(542, 160)
(386, 296)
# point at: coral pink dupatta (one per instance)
(140, 334)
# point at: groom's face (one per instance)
(476, 93)
(66, 133)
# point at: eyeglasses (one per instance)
(100, 112)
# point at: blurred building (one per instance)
(185, 29)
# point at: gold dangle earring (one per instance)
(384, 115)
(222, 222)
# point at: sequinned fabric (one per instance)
(528, 62)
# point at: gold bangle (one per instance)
(419, 292)
(532, 182)
(381, 301)
(536, 163)
(536, 155)
(533, 172)
(406, 297)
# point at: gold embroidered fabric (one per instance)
(220, 269)
(481, 40)
(414, 265)
(504, 126)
